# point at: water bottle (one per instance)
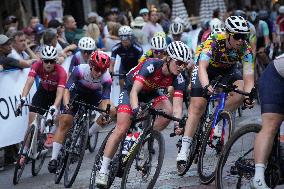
(218, 130)
(127, 144)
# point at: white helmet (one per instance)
(281, 9)
(87, 43)
(236, 24)
(158, 43)
(215, 23)
(218, 30)
(124, 30)
(48, 53)
(176, 28)
(179, 51)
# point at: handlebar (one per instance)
(117, 75)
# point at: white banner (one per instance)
(12, 128)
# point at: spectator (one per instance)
(10, 21)
(30, 30)
(144, 13)
(111, 16)
(36, 44)
(93, 31)
(165, 16)
(72, 33)
(113, 37)
(137, 26)
(7, 62)
(20, 47)
(92, 17)
(152, 26)
(55, 24)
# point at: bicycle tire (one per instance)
(41, 158)
(62, 159)
(133, 156)
(182, 168)
(204, 177)
(96, 166)
(18, 168)
(250, 128)
(83, 137)
(92, 144)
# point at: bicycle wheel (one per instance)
(182, 168)
(75, 157)
(236, 164)
(97, 166)
(143, 166)
(210, 150)
(18, 167)
(62, 158)
(92, 142)
(41, 154)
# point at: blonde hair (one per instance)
(113, 28)
(93, 31)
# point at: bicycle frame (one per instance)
(221, 98)
(34, 145)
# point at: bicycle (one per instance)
(35, 137)
(216, 128)
(240, 168)
(75, 143)
(150, 144)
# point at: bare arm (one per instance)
(136, 88)
(248, 82)
(28, 86)
(59, 95)
(66, 97)
(177, 107)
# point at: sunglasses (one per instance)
(176, 35)
(180, 64)
(125, 37)
(239, 36)
(160, 51)
(52, 61)
(87, 52)
(97, 69)
(144, 14)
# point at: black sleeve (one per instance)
(9, 63)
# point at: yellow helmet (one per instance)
(160, 34)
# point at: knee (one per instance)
(65, 122)
(120, 131)
(196, 109)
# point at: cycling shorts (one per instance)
(42, 99)
(271, 91)
(124, 99)
(88, 98)
(230, 75)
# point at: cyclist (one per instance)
(86, 45)
(252, 33)
(271, 91)
(128, 50)
(213, 24)
(142, 84)
(90, 83)
(158, 49)
(50, 91)
(176, 32)
(216, 56)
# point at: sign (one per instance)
(12, 128)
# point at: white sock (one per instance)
(105, 163)
(186, 142)
(55, 150)
(259, 171)
(95, 128)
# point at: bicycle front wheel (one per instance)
(211, 149)
(75, 157)
(20, 166)
(41, 154)
(235, 168)
(145, 162)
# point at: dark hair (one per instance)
(48, 36)
(16, 34)
(54, 24)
